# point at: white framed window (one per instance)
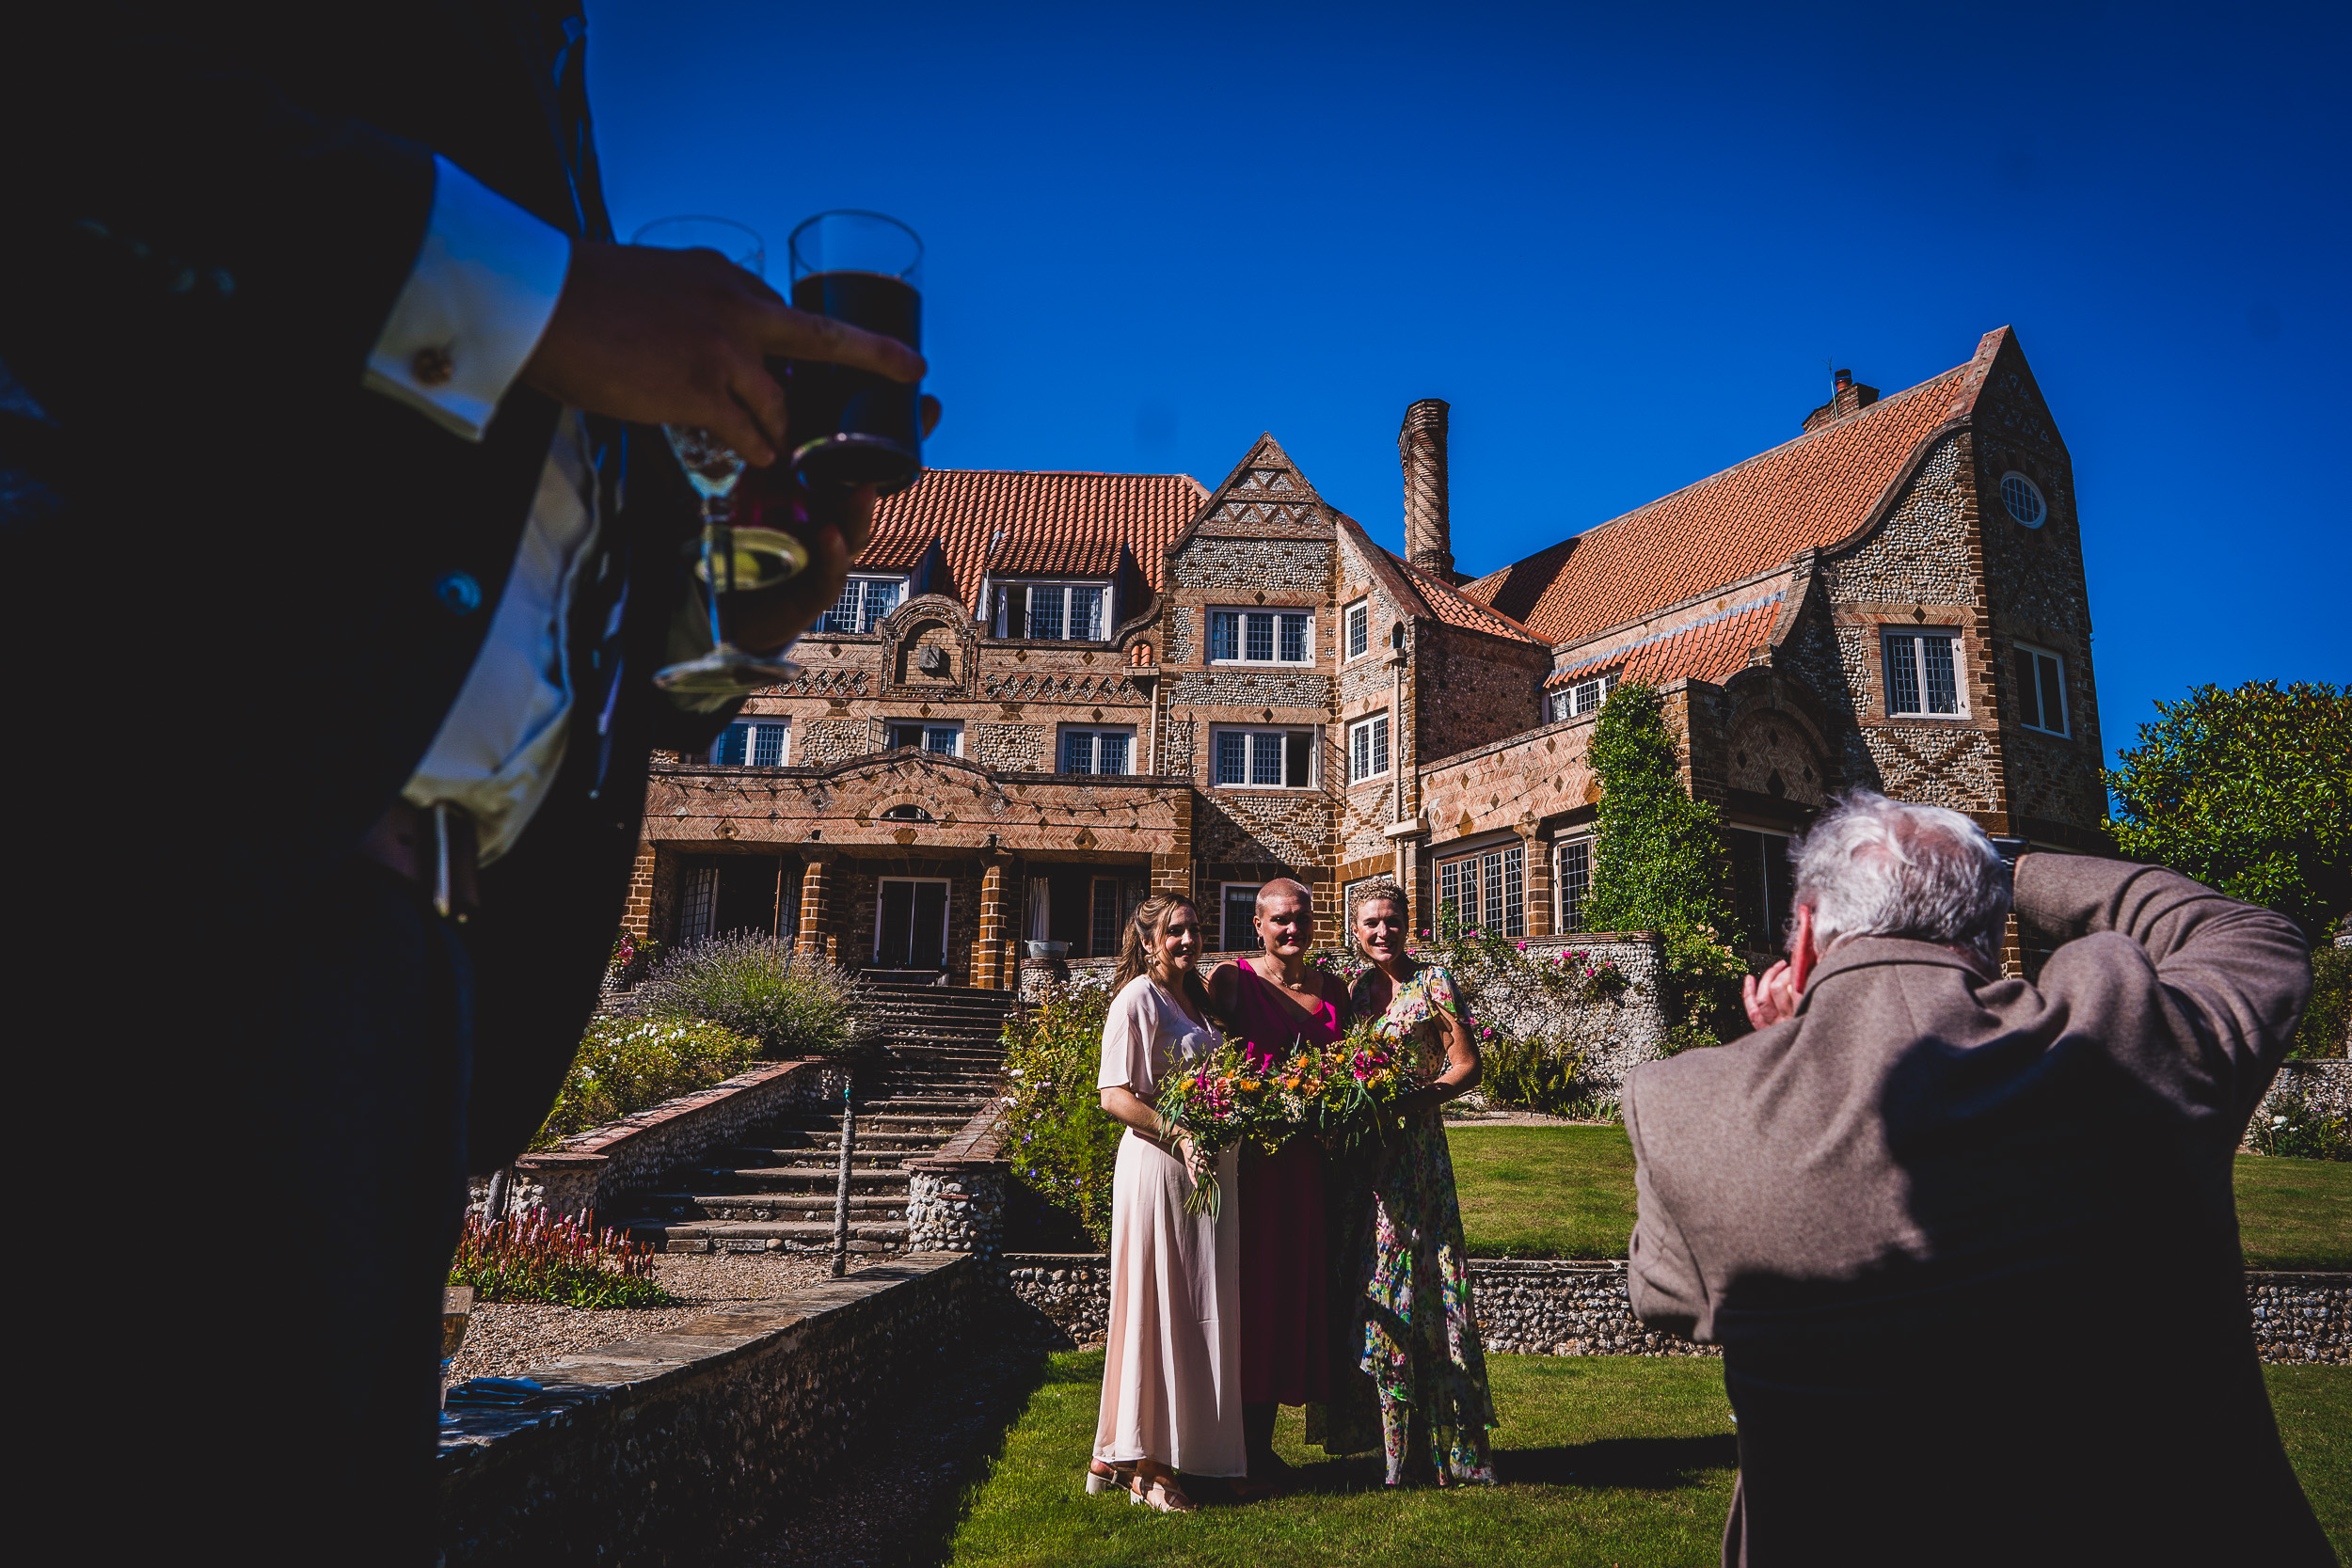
(1238, 908)
(1586, 696)
(1053, 612)
(1923, 674)
(1261, 636)
(1262, 759)
(1574, 863)
(864, 603)
(944, 740)
(1486, 889)
(753, 743)
(698, 903)
(2021, 498)
(1368, 749)
(1097, 750)
(1359, 623)
(2040, 690)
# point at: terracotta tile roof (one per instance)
(1448, 604)
(1810, 491)
(896, 549)
(1713, 649)
(1053, 522)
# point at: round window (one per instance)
(2024, 499)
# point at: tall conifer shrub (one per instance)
(1660, 866)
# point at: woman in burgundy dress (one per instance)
(1268, 1002)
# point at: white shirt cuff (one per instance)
(484, 285)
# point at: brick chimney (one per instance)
(1845, 397)
(1421, 448)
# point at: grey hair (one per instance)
(1280, 885)
(1876, 868)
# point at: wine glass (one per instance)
(732, 559)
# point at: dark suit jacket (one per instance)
(220, 538)
(1969, 1243)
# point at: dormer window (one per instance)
(1584, 697)
(1053, 612)
(863, 604)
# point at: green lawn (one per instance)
(1568, 1191)
(1619, 1460)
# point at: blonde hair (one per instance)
(1383, 891)
(1140, 952)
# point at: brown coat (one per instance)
(1969, 1243)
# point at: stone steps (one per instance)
(943, 1066)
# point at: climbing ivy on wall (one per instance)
(1660, 866)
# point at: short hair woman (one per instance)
(1270, 1001)
(1419, 1344)
(1172, 1364)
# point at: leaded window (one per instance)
(1923, 674)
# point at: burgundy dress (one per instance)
(1286, 1348)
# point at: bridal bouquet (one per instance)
(1219, 1101)
(1341, 1092)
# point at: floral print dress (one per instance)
(1420, 1341)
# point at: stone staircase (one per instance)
(943, 1056)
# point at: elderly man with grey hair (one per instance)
(1967, 1241)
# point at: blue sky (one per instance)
(1626, 248)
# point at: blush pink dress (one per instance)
(1172, 1359)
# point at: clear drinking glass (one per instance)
(852, 428)
(733, 559)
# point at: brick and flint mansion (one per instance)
(1044, 694)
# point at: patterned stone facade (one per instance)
(1402, 717)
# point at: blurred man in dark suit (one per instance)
(335, 577)
(1968, 1243)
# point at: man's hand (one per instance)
(1770, 997)
(680, 336)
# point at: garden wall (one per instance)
(1615, 1034)
(659, 1450)
(588, 1171)
(1539, 1307)
(955, 1198)
(2325, 1083)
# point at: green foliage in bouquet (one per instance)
(626, 1065)
(1063, 1146)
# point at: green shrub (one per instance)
(2324, 1020)
(793, 1003)
(2289, 1124)
(1535, 1075)
(534, 1256)
(627, 1063)
(1062, 1143)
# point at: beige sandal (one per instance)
(1160, 1491)
(1104, 1475)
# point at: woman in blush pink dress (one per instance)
(1269, 1001)
(1171, 1360)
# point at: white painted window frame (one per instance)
(1309, 735)
(1277, 612)
(1918, 635)
(1224, 902)
(1354, 620)
(1000, 612)
(2066, 706)
(781, 723)
(1378, 736)
(1095, 733)
(925, 725)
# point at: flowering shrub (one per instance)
(2290, 1125)
(627, 1063)
(1062, 1146)
(2327, 1020)
(793, 1003)
(631, 959)
(531, 1256)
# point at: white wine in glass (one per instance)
(733, 559)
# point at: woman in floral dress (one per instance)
(1420, 1335)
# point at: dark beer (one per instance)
(854, 427)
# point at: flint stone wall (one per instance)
(2325, 1084)
(1542, 1307)
(955, 1198)
(662, 1450)
(1615, 1035)
(588, 1172)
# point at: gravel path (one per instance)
(506, 1340)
